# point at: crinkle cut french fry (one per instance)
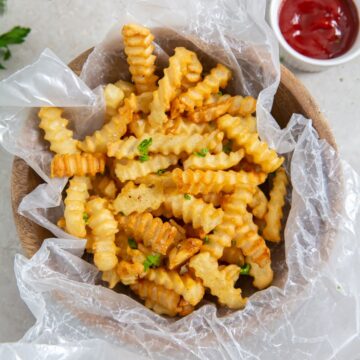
(104, 227)
(111, 131)
(166, 144)
(194, 97)
(220, 161)
(220, 282)
(104, 186)
(132, 169)
(138, 199)
(139, 50)
(127, 87)
(114, 97)
(234, 207)
(274, 213)
(129, 273)
(259, 204)
(56, 132)
(161, 300)
(259, 150)
(168, 85)
(111, 277)
(155, 233)
(204, 182)
(191, 290)
(183, 251)
(194, 211)
(233, 255)
(77, 194)
(210, 112)
(182, 126)
(193, 72)
(66, 165)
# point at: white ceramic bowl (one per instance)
(299, 61)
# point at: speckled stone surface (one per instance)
(64, 27)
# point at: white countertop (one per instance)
(337, 91)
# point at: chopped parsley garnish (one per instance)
(152, 261)
(227, 148)
(245, 269)
(187, 197)
(86, 217)
(132, 243)
(220, 93)
(161, 171)
(206, 240)
(201, 153)
(143, 148)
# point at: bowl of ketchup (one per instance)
(316, 34)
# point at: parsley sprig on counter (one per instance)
(15, 36)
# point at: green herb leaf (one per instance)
(206, 240)
(282, 59)
(132, 243)
(7, 54)
(245, 269)
(86, 217)
(201, 153)
(227, 148)
(161, 171)
(16, 35)
(220, 93)
(187, 197)
(2, 67)
(143, 147)
(143, 158)
(153, 260)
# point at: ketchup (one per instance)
(320, 29)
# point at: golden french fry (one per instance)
(259, 204)
(139, 50)
(233, 255)
(220, 282)
(138, 199)
(220, 161)
(274, 213)
(210, 112)
(56, 131)
(155, 233)
(183, 251)
(259, 150)
(132, 169)
(204, 182)
(182, 126)
(168, 86)
(127, 87)
(104, 227)
(76, 196)
(111, 131)
(114, 97)
(161, 300)
(190, 289)
(165, 144)
(83, 164)
(194, 211)
(104, 186)
(194, 97)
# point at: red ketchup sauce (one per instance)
(320, 29)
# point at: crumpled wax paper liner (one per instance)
(312, 309)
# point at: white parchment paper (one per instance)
(312, 309)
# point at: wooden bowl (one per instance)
(291, 97)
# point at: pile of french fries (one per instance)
(167, 191)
